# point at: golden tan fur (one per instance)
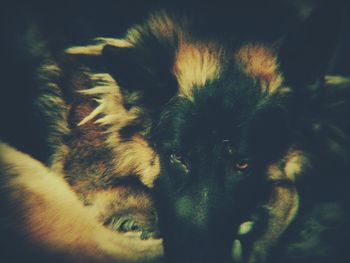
(195, 65)
(162, 26)
(52, 216)
(133, 156)
(96, 49)
(260, 61)
(283, 204)
(297, 162)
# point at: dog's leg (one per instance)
(42, 215)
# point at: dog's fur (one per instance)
(217, 145)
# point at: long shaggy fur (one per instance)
(119, 114)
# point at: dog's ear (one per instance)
(142, 68)
(306, 53)
(145, 71)
(142, 62)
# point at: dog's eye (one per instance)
(179, 160)
(242, 165)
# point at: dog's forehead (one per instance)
(207, 124)
(199, 63)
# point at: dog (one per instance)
(229, 151)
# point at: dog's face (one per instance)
(210, 179)
(215, 148)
